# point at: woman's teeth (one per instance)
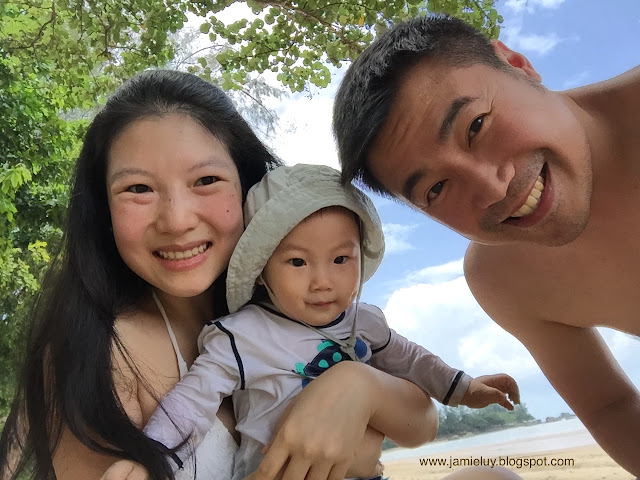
(532, 201)
(183, 255)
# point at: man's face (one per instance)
(471, 146)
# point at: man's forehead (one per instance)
(421, 96)
(421, 90)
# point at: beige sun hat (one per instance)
(283, 198)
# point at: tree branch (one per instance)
(43, 26)
(475, 2)
(354, 47)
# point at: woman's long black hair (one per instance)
(66, 379)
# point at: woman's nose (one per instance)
(176, 214)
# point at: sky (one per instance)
(420, 285)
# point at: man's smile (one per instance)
(532, 200)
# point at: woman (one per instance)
(154, 216)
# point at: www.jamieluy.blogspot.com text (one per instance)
(513, 462)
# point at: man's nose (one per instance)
(488, 182)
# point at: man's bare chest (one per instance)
(596, 281)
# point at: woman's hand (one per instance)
(366, 462)
(322, 433)
(323, 428)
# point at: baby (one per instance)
(293, 288)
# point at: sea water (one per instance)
(542, 437)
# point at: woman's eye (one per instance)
(297, 262)
(435, 191)
(340, 260)
(138, 188)
(208, 180)
(475, 126)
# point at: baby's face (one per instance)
(314, 272)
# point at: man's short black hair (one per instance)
(367, 92)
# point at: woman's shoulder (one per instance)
(140, 328)
(141, 336)
(144, 362)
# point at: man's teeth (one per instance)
(182, 255)
(532, 201)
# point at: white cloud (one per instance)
(445, 318)
(395, 237)
(515, 38)
(311, 138)
(438, 273)
(435, 308)
(528, 43)
(541, 44)
(623, 346)
(576, 80)
(530, 5)
(235, 12)
(491, 349)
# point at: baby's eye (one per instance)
(433, 193)
(340, 260)
(138, 188)
(297, 262)
(475, 126)
(208, 180)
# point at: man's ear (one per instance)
(259, 280)
(516, 60)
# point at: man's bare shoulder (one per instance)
(489, 266)
(503, 281)
(613, 102)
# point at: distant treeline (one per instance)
(462, 420)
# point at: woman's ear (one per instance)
(516, 60)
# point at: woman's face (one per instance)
(176, 204)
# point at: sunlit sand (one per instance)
(589, 463)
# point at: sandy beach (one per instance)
(527, 457)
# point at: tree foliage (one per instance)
(463, 420)
(56, 60)
(59, 58)
(460, 420)
(299, 39)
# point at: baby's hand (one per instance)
(488, 389)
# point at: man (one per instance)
(545, 184)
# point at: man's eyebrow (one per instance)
(450, 116)
(411, 182)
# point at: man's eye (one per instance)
(297, 262)
(208, 180)
(475, 126)
(435, 191)
(340, 259)
(138, 188)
